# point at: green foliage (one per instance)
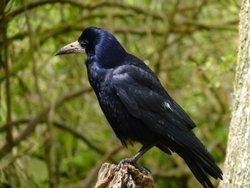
(191, 45)
(36, 171)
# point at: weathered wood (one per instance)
(127, 176)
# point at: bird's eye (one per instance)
(83, 43)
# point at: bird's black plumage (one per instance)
(137, 106)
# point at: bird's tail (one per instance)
(201, 167)
(199, 160)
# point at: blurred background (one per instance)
(52, 131)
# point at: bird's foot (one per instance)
(122, 162)
(132, 162)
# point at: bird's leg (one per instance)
(143, 150)
(134, 159)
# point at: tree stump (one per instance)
(127, 176)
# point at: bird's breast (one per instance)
(126, 127)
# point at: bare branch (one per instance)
(61, 126)
(6, 64)
(38, 118)
(117, 4)
(76, 134)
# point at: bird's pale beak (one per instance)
(72, 48)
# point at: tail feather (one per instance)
(193, 150)
(208, 164)
(199, 173)
(199, 160)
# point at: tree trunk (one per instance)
(237, 163)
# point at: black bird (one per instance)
(137, 106)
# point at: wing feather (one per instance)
(142, 93)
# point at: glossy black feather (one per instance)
(138, 107)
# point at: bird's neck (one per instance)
(110, 54)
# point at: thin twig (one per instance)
(32, 50)
(212, 90)
(60, 125)
(171, 24)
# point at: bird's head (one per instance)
(99, 45)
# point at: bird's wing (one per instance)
(145, 98)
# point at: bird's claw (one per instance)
(122, 162)
(133, 163)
